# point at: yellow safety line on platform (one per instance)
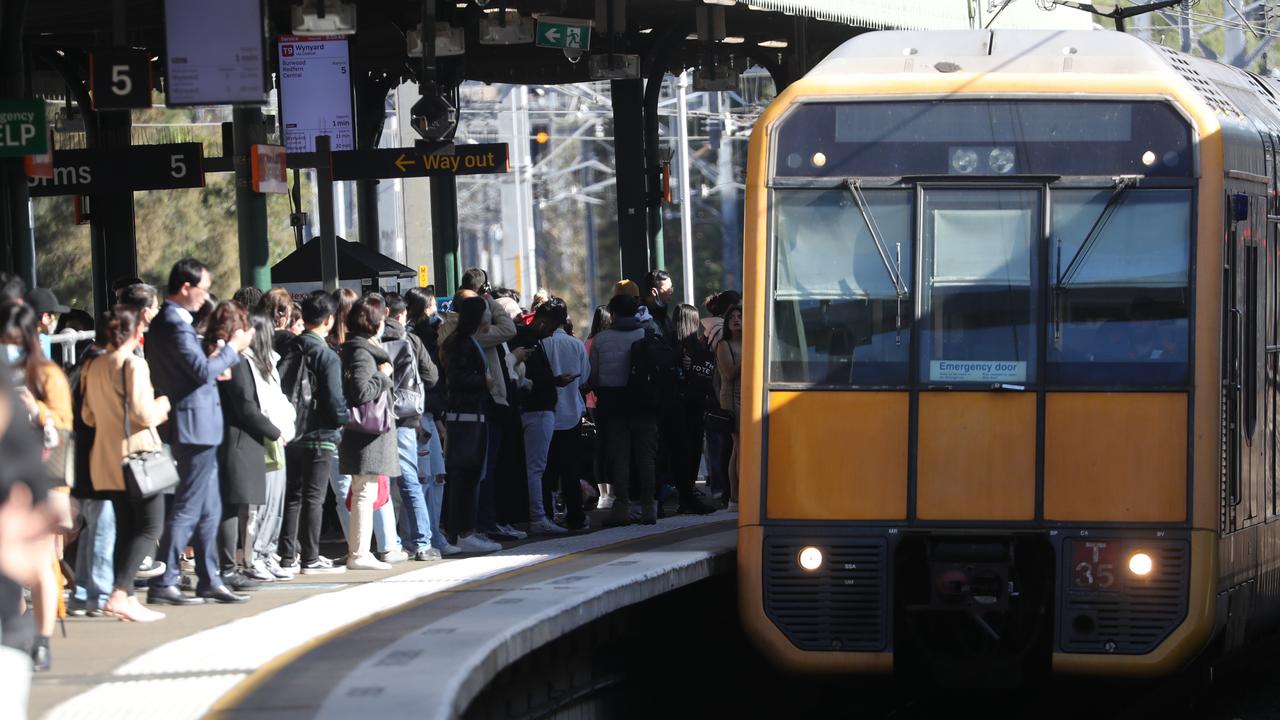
(242, 690)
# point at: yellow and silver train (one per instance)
(1011, 365)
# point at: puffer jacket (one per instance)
(611, 354)
(361, 453)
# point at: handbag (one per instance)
(274, 455)
(59, 457)
(147, 473)
(373, 417)
(384, 493)
(719, 420)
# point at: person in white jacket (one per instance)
(262, 522)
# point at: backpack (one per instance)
(407, 391)
(298, 383)
(655, 372)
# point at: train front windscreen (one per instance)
(981, 243)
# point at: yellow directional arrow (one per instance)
(402, 162)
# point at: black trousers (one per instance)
(562, 464)
(229, 535)
(306, 481)
(687, 453)
(138, 527)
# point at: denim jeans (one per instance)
(538, 429)
(95, 573)
(415, 525)
(384, 518)
(430, 467)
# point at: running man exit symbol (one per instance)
(563, 33)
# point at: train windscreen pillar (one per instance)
(633, 221)
(251, 207)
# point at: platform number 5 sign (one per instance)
(120, 79)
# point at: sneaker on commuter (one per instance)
(238, 581)
(367, 561)
(605, 502)
(258, 571)
(508, 530)
(321, 566)
(427, 554)
(477, 543)
(498, 534)
(272, 565)
(149, 568)
(543, 526)
(392, 557)
(449, 549)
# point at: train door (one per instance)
(1246, 454)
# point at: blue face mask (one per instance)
(14, 354)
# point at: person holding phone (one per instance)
(567, 357)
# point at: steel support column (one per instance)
(111, 222)
(629, 156)
(251, 207)
(444, 233)
(17, 243)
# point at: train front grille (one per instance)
(839, 606)
(1131, 616)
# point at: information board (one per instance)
(315, 93)
(216, 52)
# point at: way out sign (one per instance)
(564, 33)
(23, 128)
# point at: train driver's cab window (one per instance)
(978, 295)
(842, 307)
(1118, 271)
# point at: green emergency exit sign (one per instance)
(564, 33)
(23, 128)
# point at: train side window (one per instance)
(1121, 316)
(837, 319)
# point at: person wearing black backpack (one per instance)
(626, 408)
(413, 374)
(311, 377)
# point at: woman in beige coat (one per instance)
(106, 380)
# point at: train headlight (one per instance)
(810, 558)
(1000, 160)
(1140, 564)
(964, 161)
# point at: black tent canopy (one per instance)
(355, 262)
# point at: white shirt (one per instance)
(568, 356)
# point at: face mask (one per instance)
(14, 354)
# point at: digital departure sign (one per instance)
(315, 93)
(216, 52)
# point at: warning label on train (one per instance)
(977, 371)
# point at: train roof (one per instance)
(1229, 91)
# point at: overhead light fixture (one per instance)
(773, 44)
(505, 28)
(324, 17)
(726, 3)
(449, 41)
(733, 40)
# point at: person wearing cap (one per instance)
(47, 308)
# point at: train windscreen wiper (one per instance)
(892, 266)
(1062, 283)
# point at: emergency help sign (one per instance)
(23, 128)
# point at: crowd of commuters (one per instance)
(436, 433)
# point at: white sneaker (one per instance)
(518, 534)
(366, 562)
(605, 503)
(273, 567)
(543, 526)
(448, 550)
(258, 571)
(395, 556)
(477, 544)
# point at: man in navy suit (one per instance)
(181, 370)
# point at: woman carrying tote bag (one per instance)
(114, 381)
(368, 446)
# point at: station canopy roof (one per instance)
(355, 262)
(796, 34)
